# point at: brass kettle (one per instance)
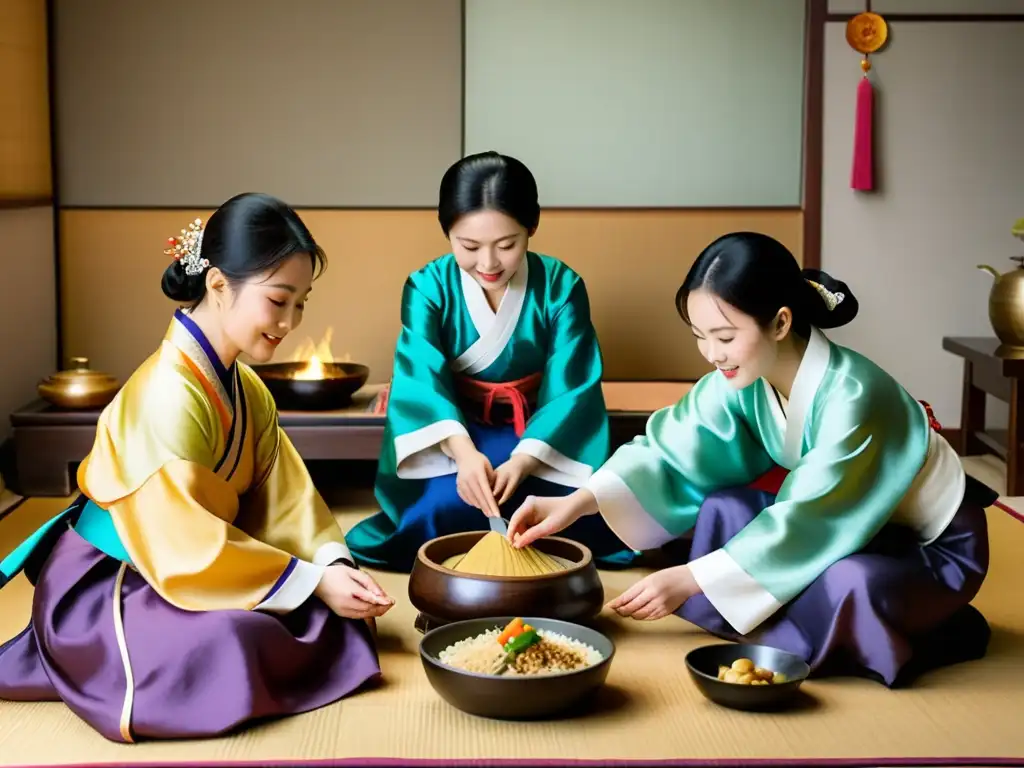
(1006, 304)
(79, 388)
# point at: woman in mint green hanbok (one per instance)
(865, 557)
(496, 390)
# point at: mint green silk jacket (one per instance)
(860, 454)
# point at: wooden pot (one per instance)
(443, 595)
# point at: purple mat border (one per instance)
(395, 762)
(1010, 511)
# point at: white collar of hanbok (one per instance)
(494, 328)
(805, 387)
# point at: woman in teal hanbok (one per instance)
(496, 389)
(865, 557)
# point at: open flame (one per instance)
(316, 355)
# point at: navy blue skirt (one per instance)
(439, 511)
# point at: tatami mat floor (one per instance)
(649, 711)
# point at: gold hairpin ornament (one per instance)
(187, 248)
(832, 300)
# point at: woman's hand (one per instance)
(657, 595)
(541, 516)
(352, 594)
(511, 474)
(475, 479)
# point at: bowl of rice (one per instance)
(563, 667)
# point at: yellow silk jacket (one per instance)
(208, 496)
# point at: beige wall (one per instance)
(633, 262)
(324, 103)
(949, 125)
(27, 291)
(367, 145)
(948, 121)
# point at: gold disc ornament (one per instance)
(866, 32)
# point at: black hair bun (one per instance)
(834, 304)
(180, 287)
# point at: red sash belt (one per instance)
(517, 394)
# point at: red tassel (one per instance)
(862, 177)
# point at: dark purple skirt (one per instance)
(195, 674)
(891, 612)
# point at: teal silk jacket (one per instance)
(449, 330)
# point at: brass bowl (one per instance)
(333, 391)
(443, 596)
(79, 388)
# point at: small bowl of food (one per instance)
(746, 676)
(513, 668)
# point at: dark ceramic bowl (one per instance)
(442, 595)
(513, 697)
(333, 391)
(703, 664)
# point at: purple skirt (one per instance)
(891, 612)
(193, 674)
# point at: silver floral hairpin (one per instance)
(187, 248)
(832, 300)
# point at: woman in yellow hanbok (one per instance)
(199, 581)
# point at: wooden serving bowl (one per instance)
(333, 391)
(515, 697)
(443, 596)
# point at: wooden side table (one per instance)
(989, 369)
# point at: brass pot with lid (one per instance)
(79, 387)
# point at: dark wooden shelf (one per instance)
(50, 442)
